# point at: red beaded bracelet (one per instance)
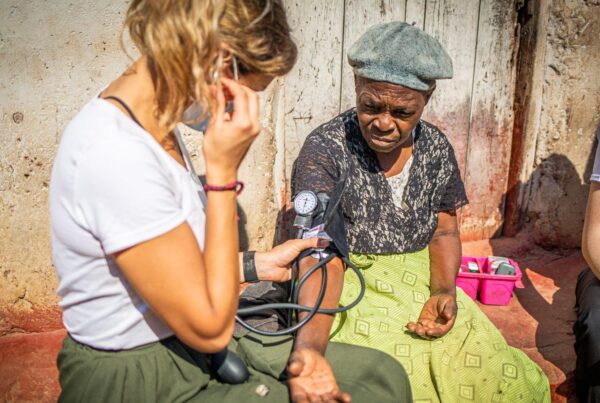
(236, 186)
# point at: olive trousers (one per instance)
(169, 371)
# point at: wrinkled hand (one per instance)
(275, 264)
(437, 317)
(312, 380)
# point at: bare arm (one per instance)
(275, 264)
(444, 254)
(315, 334)
(439, 312)
(311, 377)
(195, 292)
(590, 244)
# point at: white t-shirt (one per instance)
(113, 186)
(595, 177)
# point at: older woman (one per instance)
(402, 190)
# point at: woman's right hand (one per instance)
(229, 135)
(311, 379)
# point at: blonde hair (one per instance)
(258, 34)
(183, 40)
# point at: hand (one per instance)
(437, 316)
(275, 265)
(229, 136)
(312, 380)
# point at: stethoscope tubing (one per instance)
(294, 306)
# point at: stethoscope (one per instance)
(312, 213)
(309, 207)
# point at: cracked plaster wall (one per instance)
(55, 56)
(567, 120)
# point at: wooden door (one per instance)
(474, 108)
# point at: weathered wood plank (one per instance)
(454, 24)
(309, 95)
(312, 89)
(415, 12)
(490, 136)
(360, 15)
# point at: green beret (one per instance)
(402, 54)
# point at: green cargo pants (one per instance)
(169, 371)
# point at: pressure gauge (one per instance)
(305, 203)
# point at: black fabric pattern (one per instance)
(373, 222)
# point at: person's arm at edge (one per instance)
(590, 244)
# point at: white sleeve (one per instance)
(124, 196)
(596, 171)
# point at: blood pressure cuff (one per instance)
(333, 218)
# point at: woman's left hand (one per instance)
(437, 316)
(275, 264)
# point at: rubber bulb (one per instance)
(229, 368)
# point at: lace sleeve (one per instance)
(454, 195)
(315, 168)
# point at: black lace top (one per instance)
(374, 224)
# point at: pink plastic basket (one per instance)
(492, 289)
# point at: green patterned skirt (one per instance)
(471, 363)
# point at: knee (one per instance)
(392, 373)
(587, 325)
(588, 301)
(394, 377)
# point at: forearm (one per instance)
(221, 251)
(444, 254)
(315, 334)
(241, 267)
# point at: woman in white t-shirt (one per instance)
(148, 262)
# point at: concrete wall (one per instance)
(560, 114)
(56, 55)
(53, 58)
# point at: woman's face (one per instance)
(387, 113)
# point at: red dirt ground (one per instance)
(540, 317)
(538, 320)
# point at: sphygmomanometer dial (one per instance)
(305, 202)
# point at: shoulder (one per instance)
(99, 133)
(434, 140)
(335, 131)
(98, 145)
(433, 134)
